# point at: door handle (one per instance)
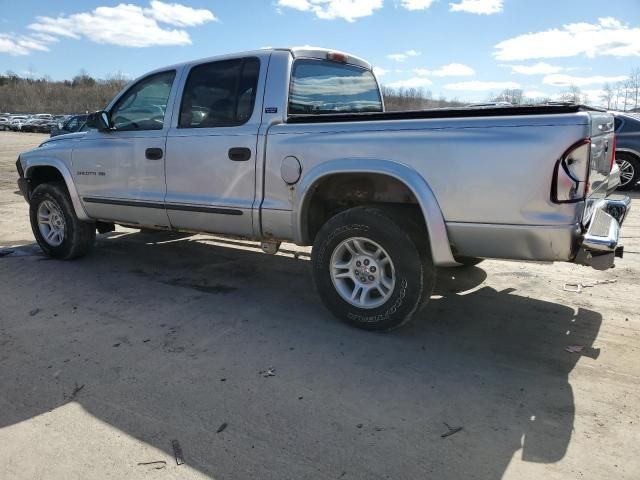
(153, 153)
(239, 154)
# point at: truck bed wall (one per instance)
(483, 171)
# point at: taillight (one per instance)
(613, 152)
(571, 174)
(337, 57)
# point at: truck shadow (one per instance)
(169, 337)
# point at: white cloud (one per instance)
(22, 44)
(540, 68)
(559, 80)
(348, 10)
(479, 7)
(416, 4)
(607, 37)
(401, 57)
(126, 24)
(415, 82)
(379, 71)
(179, 15)
(454, 70)
(478, 86)
(535, 94)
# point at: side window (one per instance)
(71, 124)
(618, 123)
(144, 105)
(220, 94)
(324, 87)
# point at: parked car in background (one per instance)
(73, 124)
(36, 125)
(4, 123)
(28, 125)
(628, 148)
(16, 122)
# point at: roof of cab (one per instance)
(297, 52)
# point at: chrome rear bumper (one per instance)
(600, 243)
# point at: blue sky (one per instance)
(456, 48)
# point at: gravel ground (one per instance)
(159, 337)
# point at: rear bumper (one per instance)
(600, 244)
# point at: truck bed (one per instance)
(464, 112)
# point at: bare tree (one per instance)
(634, 84)
(573, 94)
(608, 95)
(397, 99)
(514, 96)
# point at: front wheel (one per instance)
(55, 225)
(368, 269)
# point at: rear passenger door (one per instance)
(211, 148)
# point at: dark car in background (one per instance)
(628, 148)
(72, 124)
(37, 126)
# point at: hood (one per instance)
(66, 136)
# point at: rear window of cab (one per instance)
(324, 87)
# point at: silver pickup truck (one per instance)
(294, 145)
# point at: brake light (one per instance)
(613, 151)
(571, 174)
(337, 57)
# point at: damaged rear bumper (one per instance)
(600, 245)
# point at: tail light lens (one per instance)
(571, 174)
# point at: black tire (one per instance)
(415, 273)
(633, 163)
(468, 261)
(78, 236)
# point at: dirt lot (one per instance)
(159, 337)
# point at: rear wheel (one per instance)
(55, 225)
(629, 170)
(369, 270)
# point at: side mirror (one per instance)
(99, 120)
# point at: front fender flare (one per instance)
(31, 164)
(438, 237)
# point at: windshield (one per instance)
(323, 87)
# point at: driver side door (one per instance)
(120, 173)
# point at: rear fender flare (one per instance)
(438, 238)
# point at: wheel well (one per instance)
(336, 193)
(44, 174)
(630, 154)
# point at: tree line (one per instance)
(623, 96)
(84, 93)
(81, 94)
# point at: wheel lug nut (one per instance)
(371, 278)
(357, 272)
(373, 269)
(358, 263)
(363, 279)
(366, 262)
